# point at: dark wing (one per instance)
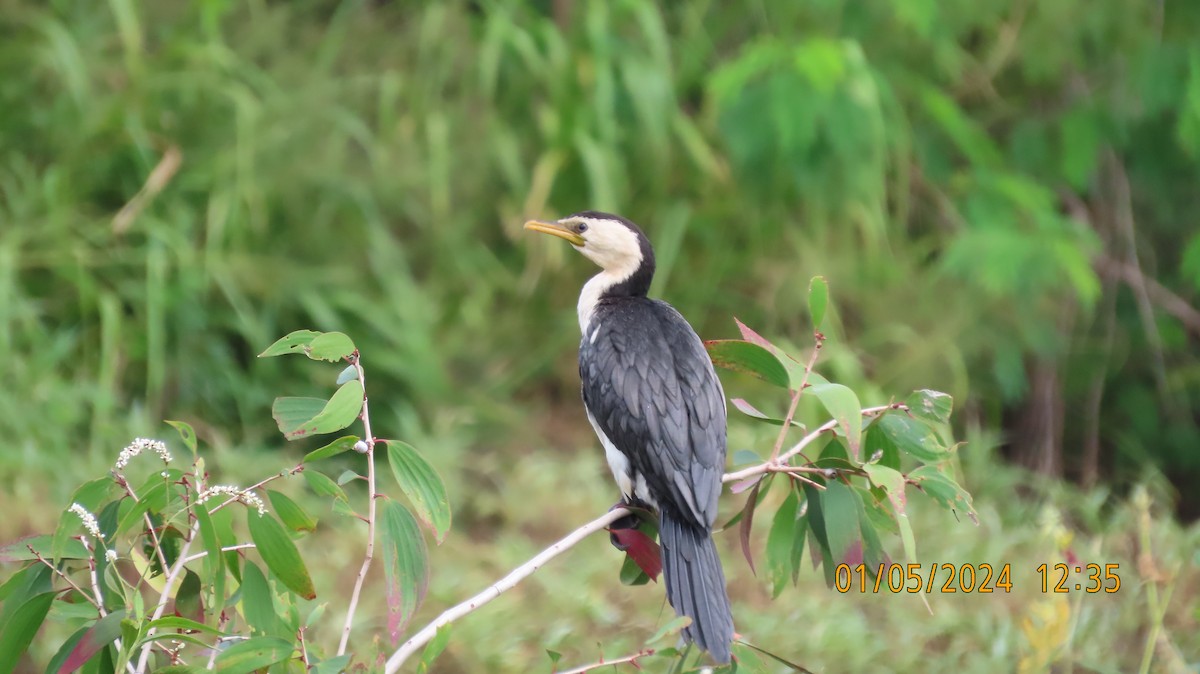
(650, 385)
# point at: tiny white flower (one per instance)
(89, 520)
(245, 497)
(140, 445)
(111, 555)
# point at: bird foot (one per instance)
(631, 521)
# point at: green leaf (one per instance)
(893, 483)
(631, 574)
(91, 495)
(751, 411)
(342, 444)
(151, 498)
(780, 541)
(672, 626)
(20, 629)
(253, 654)
(294, 342)
(291, 413)
(187, 434)
(931, 406)
(341, 411)
(879, 448)
(913, 437)
(422, 485)
(350, 372)
(213, 564)
(174, 622)
(290, 512)
(280, 554)
(18, 550)
(742, 356)
(434, 648)
(335, 665)
(188, 602)
(840, 506)
(257, 606)
(330, 346)
(323, 485)
(842, 404)
(820, 538)
(942, 488)
(818, 300)
(405, 565)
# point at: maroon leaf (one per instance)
(747, 523)
(641, 549)
(103, 633)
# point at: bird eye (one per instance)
(581, 227)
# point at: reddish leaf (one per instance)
(641, 549)
(747, 523)
(751, 336)
(103, 633)
(739, 487)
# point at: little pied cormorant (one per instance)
(655, 402)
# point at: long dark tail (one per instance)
(696, 585)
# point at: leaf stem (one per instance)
(370, 552)
(787, 421)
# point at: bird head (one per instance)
(612, 242)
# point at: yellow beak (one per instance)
(555, 229)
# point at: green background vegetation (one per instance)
(1002, 195)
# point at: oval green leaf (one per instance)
(293, 342)
(322, 484)
(253, 654)
(343, 444)
(186, 433)
(21, 627)
(842, 404)
(293, 516)
(257, 606)
(296, 418)
(422, 485)
(330, 346)
(932, 406)
(742, 356)
(780, 541)
(913, 437)
(840, 506)
(280, 554)
(818, 300)
(405, 565)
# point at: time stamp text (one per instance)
(967, 578)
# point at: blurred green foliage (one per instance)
(972, 180)
(1002, 196)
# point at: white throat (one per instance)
(595, 287)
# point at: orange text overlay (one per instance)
(915, 578)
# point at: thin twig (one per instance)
(162, 558)
(370, 552)
(807, 440)
(499, 587)
(100, 596)
(168, 588)
(37, 555)
(229, 548)
(787, 420)
(630, 659)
